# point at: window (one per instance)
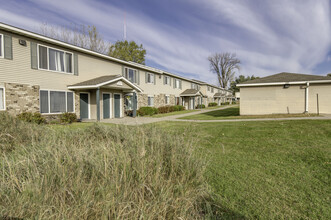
(56, 101)
(1, 46)
(150, 101)
(54, 60)
(167, 101)
(2, 99)
(177, 84)
(212, 90)
(150, 78)
(208, 88)
(130, 74)
(166, 80)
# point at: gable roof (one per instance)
(286, 78)
(102, 81)
(191, 92)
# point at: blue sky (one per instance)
(267, 36)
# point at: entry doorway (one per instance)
(117, 105)
(106, 105)
(84, 100)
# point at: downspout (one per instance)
(307, 93)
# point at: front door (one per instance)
(106, 105)
(191, 103)
(117, 105)
(84, 105)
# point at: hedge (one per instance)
(147, 111)
(212, 104)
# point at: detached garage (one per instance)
(286, 93)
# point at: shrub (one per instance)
(68, 118)
(226, 103)
(164, 109)
(201, 106)
(177, 108)
(211, 104)
(147, 111)
(32, 117)
(103, 172)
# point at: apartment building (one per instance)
(41, 74)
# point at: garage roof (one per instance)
(283, 78)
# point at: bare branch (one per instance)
(224, 66)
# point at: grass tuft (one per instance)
(113, 172)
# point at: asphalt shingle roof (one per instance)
(288, 77)
(189, 92)
(98, 80)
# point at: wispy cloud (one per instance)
(268, 36)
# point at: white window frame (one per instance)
(150, 96)
(121, 104)
(151, 74)
(49, 101)
(167, 81)
(167, 99)
(64, 62)
(177, 80)
(2, 46)
(88, 104)
(4, 98)
(110, 103)
(136, 71)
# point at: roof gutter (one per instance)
(283, 83)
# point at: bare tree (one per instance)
(87, 37)
(224, 65)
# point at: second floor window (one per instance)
(167, 80)
(131, 75)
(177, 84)
(54, 60)
(208, 88)
(150, 78)
(212, 90)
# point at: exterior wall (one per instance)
(324, 98)
(272, 100)
(19, 71)
(21, 98)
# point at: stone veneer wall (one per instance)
(159, 100)
(77, 103)
(21, 98)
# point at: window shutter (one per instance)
(135, 76)
(170, 80)
(180, 84)
(44, 101)
(123, 71)
(154, 76)
(34, 57)
(8, 47)
(75, 64)
(164, 80)
(174, 83)
(146, 77)
(138, 77)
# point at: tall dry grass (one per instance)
(101, 172)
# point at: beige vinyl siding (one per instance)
(19, 69)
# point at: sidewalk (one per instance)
(149, 120)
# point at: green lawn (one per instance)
(233, 113)
(266, 170)
(255, 170)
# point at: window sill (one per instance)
(53, 71)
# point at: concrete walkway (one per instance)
(149, 120)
